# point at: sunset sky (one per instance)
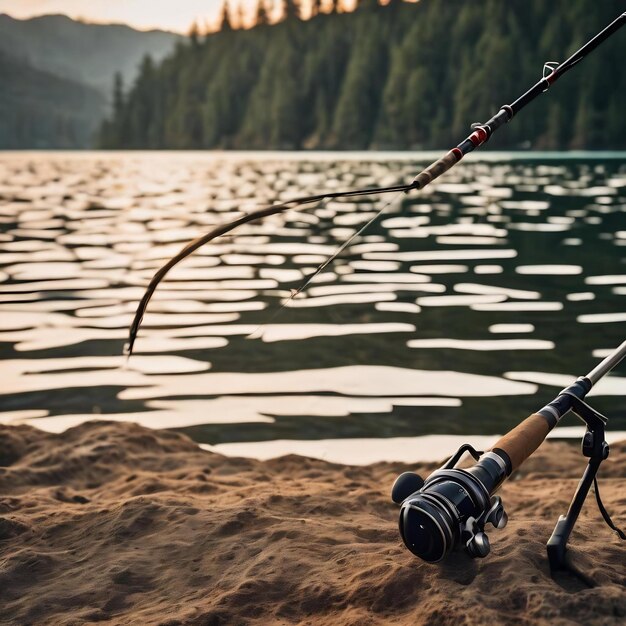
(175, 15)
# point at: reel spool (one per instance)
(452, 507)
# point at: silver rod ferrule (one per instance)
(607, 364)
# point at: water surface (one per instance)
(462, 309)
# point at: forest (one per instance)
(395, 76)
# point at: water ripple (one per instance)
(395, 340)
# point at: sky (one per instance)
(176, 15)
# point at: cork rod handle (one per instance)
(438, 168)
(524, 439)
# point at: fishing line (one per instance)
(320, 268)
(221, 230)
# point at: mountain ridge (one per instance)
(58, 73)
(39, 110)
(86, 52)
(63, 16)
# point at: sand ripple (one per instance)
(114, 523)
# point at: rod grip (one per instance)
(524, 439)
(437, 168)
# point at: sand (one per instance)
(117, 524)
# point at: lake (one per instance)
(462, 309)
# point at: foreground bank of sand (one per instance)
(114, 523)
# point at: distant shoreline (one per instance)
(408, 155)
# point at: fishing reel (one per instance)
(451, 508)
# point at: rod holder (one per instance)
(594, 447)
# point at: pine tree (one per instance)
(291, 9)
(225, 23)
(194, 34)
(118, 94)
(262, 17)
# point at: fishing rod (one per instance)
(452, 506)
(480, 135)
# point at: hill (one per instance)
(40, 110)
(81, 52)
(404, 75)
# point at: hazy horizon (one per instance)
(139, 14)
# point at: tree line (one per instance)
(403, 76)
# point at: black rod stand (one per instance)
(595, 447)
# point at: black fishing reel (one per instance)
(451, 508)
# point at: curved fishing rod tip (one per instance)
(127, 352)
(125, 364)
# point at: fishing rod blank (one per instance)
(452, 506)
(607, 365)
(481, 134)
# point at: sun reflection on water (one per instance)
(502, 278)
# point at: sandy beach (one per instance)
(257, 260)
(114, 523)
